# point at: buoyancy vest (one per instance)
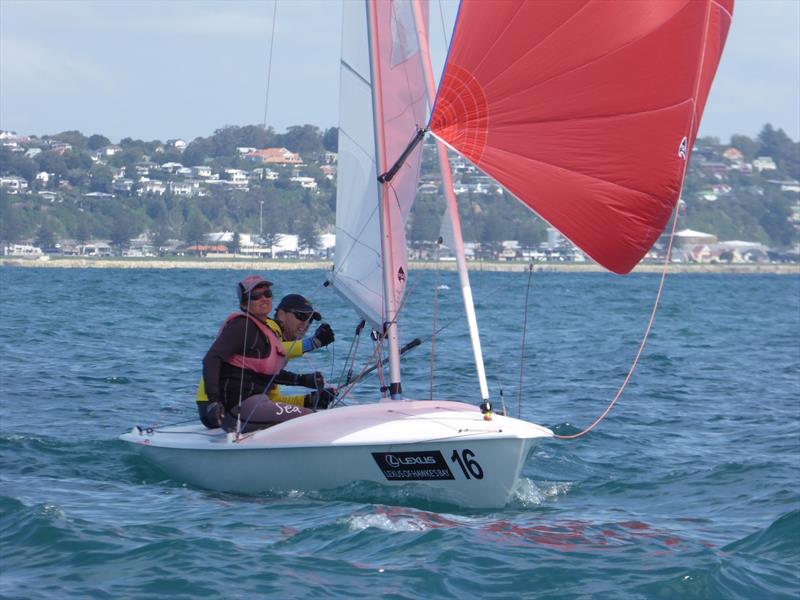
(268, 365)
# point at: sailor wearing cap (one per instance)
(292, 320)
(248, 357)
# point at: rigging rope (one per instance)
(269, 60)
(241, 376)
(522, 344)
(435, 305)
(644, 338)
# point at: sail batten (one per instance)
(586, 111)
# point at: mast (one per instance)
(390, 323)
(452, 209)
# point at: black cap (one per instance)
(297, 303)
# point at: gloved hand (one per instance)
(323, 336)
(314, 380)
(326, 398)
(211, 413)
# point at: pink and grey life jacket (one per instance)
(269, 365)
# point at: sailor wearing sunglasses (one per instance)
(247, 358)
(292, 320)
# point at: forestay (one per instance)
(586, 110)
(366, 144)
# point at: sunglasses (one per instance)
(300, 316)
(259, 295)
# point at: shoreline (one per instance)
(288, 265)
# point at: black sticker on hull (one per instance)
(413, 466)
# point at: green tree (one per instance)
(76, 139)
(196, 227)
(16, 163)
(78, 160)
(308, 236)
(123, 228)
(53, 163)
(426, 219)
(330, 139)
(235, 245)
(304, 139)
(777, 211)
(11, 222)
(78, 178)
(97, 141)
(101, 179)
(83, 231)
(46, 235)
(778, 145)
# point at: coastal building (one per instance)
(123, 186)
(275, 156)
(60, 147)
(733, 154)
(181, 188)
(171, 167)
(95, 248)
(690, 237)
(177, 144)
(152, 187)
(263, 174)
(202, 171)
(236, 177)
(308, 183)
(22, 251)
(14, 184)
(788, 185)
(764, 163)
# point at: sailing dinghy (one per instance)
(585, 110)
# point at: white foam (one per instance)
(386, 523)
(528, 493)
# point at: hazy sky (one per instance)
(181, 69)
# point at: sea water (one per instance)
(688, 489)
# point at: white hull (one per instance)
(445, 450)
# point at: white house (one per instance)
(764, 163)
(263, 173)
(280, 156)
(201, 171)
(236, 176)
(180, 188)
(153, 187)
(305, 182)
(14, 184)
(179, 145)
(22, 250)
(171, 167)
(111, 150)
(122, 185)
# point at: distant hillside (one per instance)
(70, 186)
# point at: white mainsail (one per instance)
(384, 80)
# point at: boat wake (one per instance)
(528, 494)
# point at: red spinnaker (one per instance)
(585, 110)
